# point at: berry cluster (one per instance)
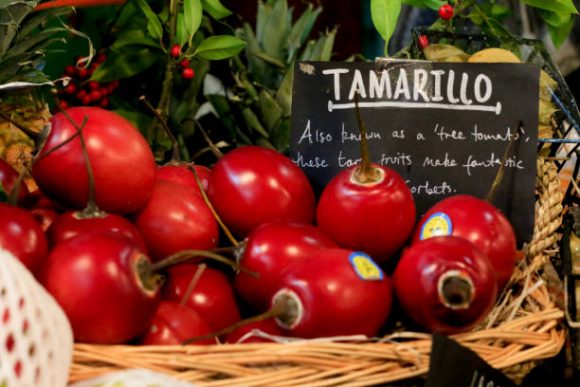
(81, 90)
(186, 71)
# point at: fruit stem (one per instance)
(212, 147)
(188, 255)
(275, 311)
(501, 170)
(455, 289)
(194, 280)
(218, 219)
(175, 154)
(91, 208)
(365, 173)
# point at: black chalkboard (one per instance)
(443, 126)
(452, 364)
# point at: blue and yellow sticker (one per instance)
(438, 224)
(365, 267)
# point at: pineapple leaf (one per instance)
(269, 110)
(301, 30)
(11, 15)
(253, 122)
(268, 59)
(284, 93)
(264, 11)
(326, 53)
(255, 64)
(276, 31)
(280, 135)
(33, 42)
(42, 17)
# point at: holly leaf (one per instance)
(134, 38)
(384, 14)
(559, 33)
(154, 27)
(219, 47)
(192, 13)
(216, 9)
(433, 4)
(125, 63)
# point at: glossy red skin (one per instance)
(176, 219)
(336, 300)
(252, 185)
(268, 326)
(8, 178)
(212, 297)
(93, 279)
(173, 323)
(181, 174)
(71, 224)
(22, 235)
(122, 162)
(269, 250)
(375, 218)
(416, 277)
(485, 226)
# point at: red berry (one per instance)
(86, 100)
(104, 102)
(81, 94)
(175, 51)
(94, 85)
(188, 73)
(70, 89)
(423, 41)
(446, 11)
(83, 73)
(70, 70)
(63, 105)
(185, 63)
(101, 57)
(95, 95)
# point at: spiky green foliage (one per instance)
(24, 38)
(258, 112)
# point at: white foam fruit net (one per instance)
(36, 340)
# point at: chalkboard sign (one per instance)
(452, 364)
(444, 127)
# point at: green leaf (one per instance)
(384, 14)
(555, 19)
(256, 65)
(559, 34)
(253, 122)
(499, 11)
(270, 110)
(280, 135)
(192, 13)
(276, 31)
(433, 4)
(181, 36)
(154, 26)
(219, 47)
(134, 38)
(301, 30)
(326, 52)
(126, 63)
(284, 93)
(558, 6)
(216, 9)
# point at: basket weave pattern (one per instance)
(523, 328)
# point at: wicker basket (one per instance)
(523, 328)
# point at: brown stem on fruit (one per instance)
(91, 210)
(218, 219)
(194, 280)
(456, 290)
(213, 148)
(365, 173)
(189, 255)
(276, 311)
(35, 136)
(501, 170)
(175, 156)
